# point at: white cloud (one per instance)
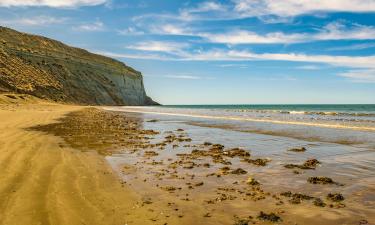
(51, 3)
(159, 46)
(360, 62)
(360, 76)
(332, 31)
(34, 21)
(205, 7)
(130, 31)
(96, 26)
(308, 67)
(185, 77)
(248, 37)
(286, 8)
(171, 29)
(133, 56)
(353, 47)
(339, 31)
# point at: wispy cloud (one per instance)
(130, 31)
(332, 31)
(365, 62)
(308, 67)
(185, 77)
(172, 29)
(287, 8)
(34, 21)
(159, 46)
(51, 3)
(353, 47)
(95, 26)
(360, 76)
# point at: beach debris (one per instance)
(153, 121)
(301, 149)
(272, 217)
(179, 130)
(335, 197)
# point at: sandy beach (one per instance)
(67, 164)
(44, 181)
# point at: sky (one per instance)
(221, 52)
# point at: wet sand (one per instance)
(218, 183)
(77, 165)
(46, 181)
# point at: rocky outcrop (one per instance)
(51, 70)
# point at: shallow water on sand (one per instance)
(347, 127)
(225, 199)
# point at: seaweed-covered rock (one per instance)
(320, 180)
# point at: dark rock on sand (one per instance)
(320, 180)
(272, 217)
(335, 197)
(302, 149)
(308, 164)
(239, 171)
(319, 202)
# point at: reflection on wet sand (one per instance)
(198, 175)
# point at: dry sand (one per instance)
(44, 182)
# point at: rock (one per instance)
(239, 171)
(320, 180)
(252, 181)
(308, 164)
(319, 202)
(302, 149)
(258, 162)
(241, 222)
(335, 197)
(272, 217)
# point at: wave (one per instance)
(274, 121)
(321, 113)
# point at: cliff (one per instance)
(49, 69)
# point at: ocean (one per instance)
(352, 124)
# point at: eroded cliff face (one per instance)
(52, 70)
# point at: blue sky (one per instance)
(221, 52)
